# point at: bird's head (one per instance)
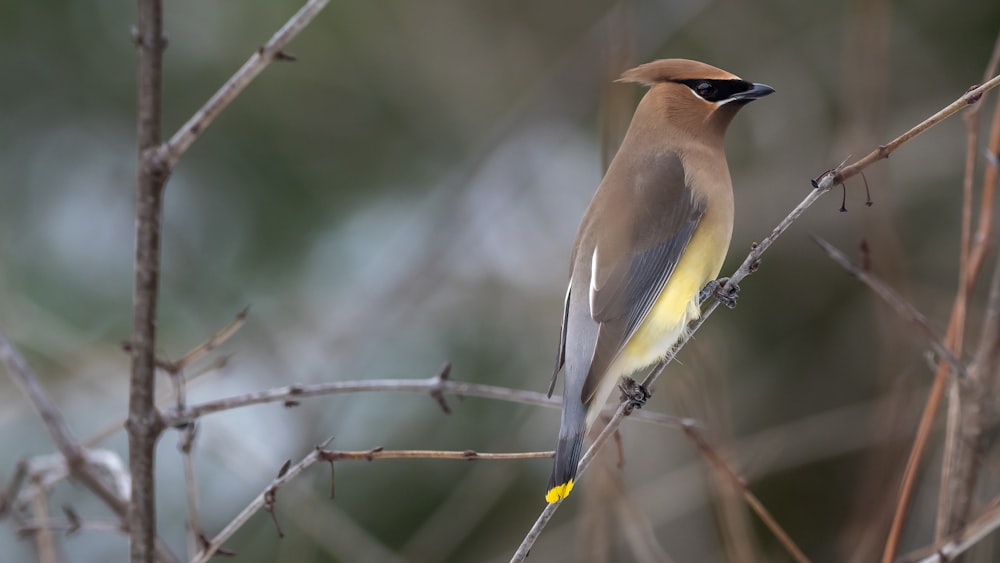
(694, 94)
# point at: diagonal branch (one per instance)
(903, 308)
(172, 150)
(76, 459)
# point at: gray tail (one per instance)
(567, 457)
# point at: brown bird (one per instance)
(651, 243)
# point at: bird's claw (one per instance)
(717, 289)
(634, 394)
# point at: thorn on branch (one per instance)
(332, 475)
(620, 448)
(866, 255)
(270, 497)
(437, 394)
(868, 192)
(284, 468)
(73, 518)
(372, 452)
(283, 56)
(290, 404)
(843, 200)
(974, 96)
(205, 544)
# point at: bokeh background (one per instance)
(407, 193)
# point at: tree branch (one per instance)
(144, 425)
(77, 463)
(903, 308)
(172, 150)
(435, 386)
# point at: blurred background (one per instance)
(407, 193)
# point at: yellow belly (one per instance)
(676, 306)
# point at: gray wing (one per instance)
(637, 246)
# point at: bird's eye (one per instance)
(705, 89)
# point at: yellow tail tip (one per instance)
(559, 492)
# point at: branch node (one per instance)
(471, 454)
(371, 453)
(972, 96)
(284, 468)
(437, 394)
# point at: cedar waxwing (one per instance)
(655, 234)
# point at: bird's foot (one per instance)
(634, 394)
(717, 289)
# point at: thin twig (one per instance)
(45, 542)
(69, 526)
(952, 339)
(821, 186)
(212, 343)
(186, 445)
(946, 521)
(949, 550)
(902, 307)
(435, 384)
(722, 467)
(77, 461)
(970, 97)
(286, 474)
(468, 455)
(172, 150)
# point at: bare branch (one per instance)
(723, 468)
(949, 550)
(902, 307)
(144, 424)
(78, 461)
(467, 455)
(212, 343)
(173, 149)
(430, 385)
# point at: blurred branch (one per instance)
(78, 463)
(45, 543)
(264, 500)
(821, 186)
(186, 445)
(172, 150)
(722, 468)
(953, 337)
(968, 268)
(903, 308)
(949, 550)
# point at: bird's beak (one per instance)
(758, 91)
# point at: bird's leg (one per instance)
(634, 394)
(715, 288)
